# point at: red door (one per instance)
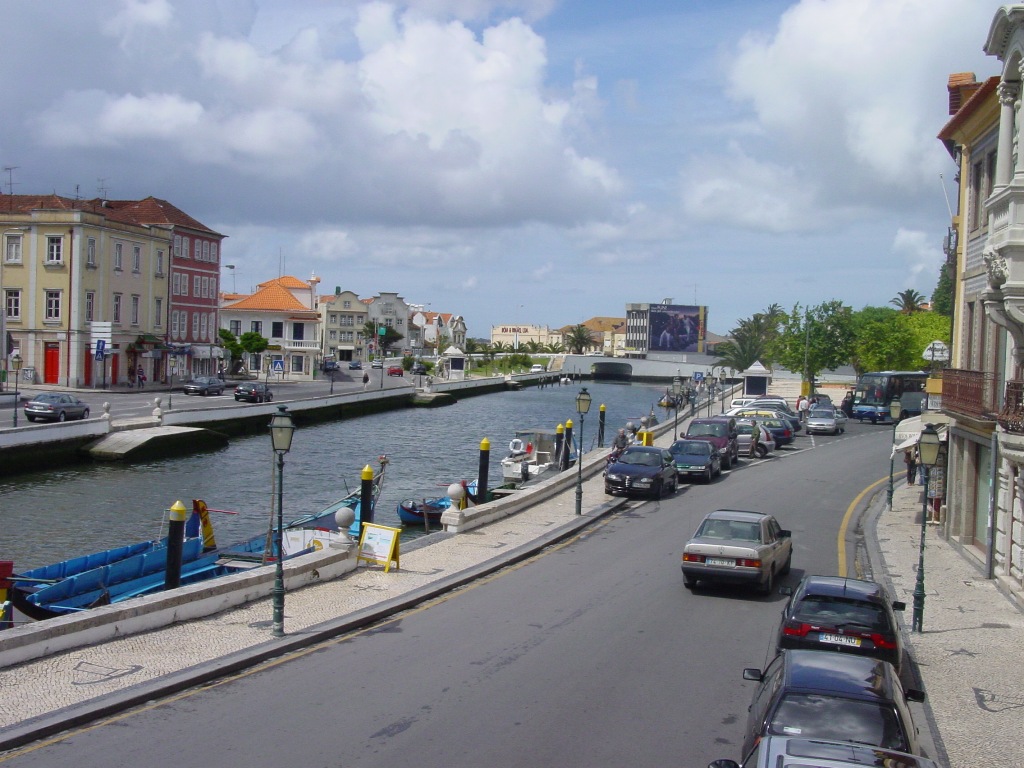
(51, 363)
(88, 368)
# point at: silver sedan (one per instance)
(829, 421)
(738, 547)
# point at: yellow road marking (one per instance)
(846, 523)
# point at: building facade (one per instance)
(517, 335)
(342, 317)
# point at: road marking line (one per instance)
(841, 540)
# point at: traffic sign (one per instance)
(936, 352)
(101, 347)
(698, 376)
(278, 366)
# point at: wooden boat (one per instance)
(412, 511)
(133, 570)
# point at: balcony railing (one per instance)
(1011, 417)
(971, 393)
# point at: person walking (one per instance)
(141, 377)
(755, 432)
(366, 381)
(802, 406)
(910, 459)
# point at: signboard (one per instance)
(278, 366)
(936, 352)
(382, 330)
(379, 544)
(675, 328)
(698, 376)
(101, 347)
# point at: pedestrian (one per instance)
(802, 406)
(755, 432)
(366, 381)
(911, 461)
(141, 377)
(220, 372)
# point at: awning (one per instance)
(908, 431)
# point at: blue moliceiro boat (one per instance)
(134, 570)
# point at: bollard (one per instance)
(175, 542)
(566, 445)
(6, 571)
(484, 470)
(559, 442)
(600, 426)
(366, 498)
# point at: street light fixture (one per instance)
(16, 365)
(928, 454)
(895, 409)
(281, 430)
(582, 406)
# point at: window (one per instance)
(174, 324)
(202, 328)
(213, 287)
(196, 283)
(137, 259)
(277, 330)
(158, 312)
(195, 326)
(212, 334)
(118, 257)
(333, 335)
(159, 263)
(117, 307)
(177, 245)
(347, 321)
(213, 251)
(235, 326)
(135, 310)
(53, 304)
(347, 336)
(346, 304)
(185, 254)
(54, 250)
(206, 250)
(332, 318)
(12, 303)
(12, 253)
(206, 288)
(297, 361)
(90, 305)
(256, 326)
(90, 252)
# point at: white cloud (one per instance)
(922, 256)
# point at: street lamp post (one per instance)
(582, 406)
(677, 394)
(281, 430)
(16, 365)
(928, 454)
(895, 408)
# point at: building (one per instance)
(435, 332)
(85, 290)
(285, 312)
(665, 331)
(342, 317)
(518, 335)
(388, 310)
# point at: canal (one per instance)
(53, 514)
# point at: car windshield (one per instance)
(714, 430)
(692, 448)
(822, 413)
(733, 530)
(841, 612)
(47, 398)
(640, 458)
(818, 716)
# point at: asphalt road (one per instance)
(592, 654)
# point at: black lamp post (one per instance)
(16, 365)
(895, 408)
(281, 430)
(582, 406)
(928, 454)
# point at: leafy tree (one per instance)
(532, 346)
(751, 340)
(473, 347)
(371, 334)
(578, 339)
(815, 339)
(229, 341)
(926, 327)
(883, 341)
(942, 296)
(554, 349)
(908, 301)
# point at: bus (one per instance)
(876, 390)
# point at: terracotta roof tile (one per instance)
(287, 281)
(272, 298)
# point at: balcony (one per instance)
(1011, 417)
(969, 393)
(296, 344)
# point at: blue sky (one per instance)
(520, 161)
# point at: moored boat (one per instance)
(531, 453)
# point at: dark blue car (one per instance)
(696, 458)
(642, 470)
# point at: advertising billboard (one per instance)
(675, 328)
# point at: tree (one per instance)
(883, 341)
(371, 334)
(751, 340)
(815, 339)
(908, 301)
(230, 342)
(473, 346)
(942, 296)
(926, 327)
(578, 339)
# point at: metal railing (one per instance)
(1011, 417)
(971, 393)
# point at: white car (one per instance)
(537, 369)
(739, 402)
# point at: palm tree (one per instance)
(578, 339)
(908, 302)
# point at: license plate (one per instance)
(720, 561)
(840, 640)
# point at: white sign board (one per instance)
(936, 352)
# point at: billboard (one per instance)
(675, 328)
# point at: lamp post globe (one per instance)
(895, 408)
(282, 428)
(928, 454)
(583, 400)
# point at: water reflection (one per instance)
(53, 514)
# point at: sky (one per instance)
(513, 161)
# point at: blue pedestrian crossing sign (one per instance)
(278, 366)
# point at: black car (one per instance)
(696, 458)
(253, 392)
(642, 470)
(418, 369)
(798, 752)
(355, 365)
(831, 613)
(331, 366)
(204, 385)
(831, 696)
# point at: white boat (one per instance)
(531, 454)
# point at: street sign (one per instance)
(698, 376)
(278, 366)
(101, 347)
(936, 352)
(382, 331)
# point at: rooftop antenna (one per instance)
(946, 195)
(280, 262)
(102, 188)
(10, 169)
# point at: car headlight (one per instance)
(615, 477)
(642, 481)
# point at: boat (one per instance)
(412, 511)
(531, 454)
(133, 570)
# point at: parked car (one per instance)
(55, 406)
(739, 402)
(418, 369)
(330, 366)
(253, 392)
(720, 431)
(395, 370)
(832, 613)
(537, 368)
(744, 432)
(377, 364)
(642, 470)
(204, 385)
(738, 547)
(355, 365)
(768, 410)
(831, 696)
(829, 421)
(696, 458)
(781, 429)
(801, 752)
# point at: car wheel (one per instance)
(727, 462)
(761, 451)
(659, 490)
(237, 398)
(769, 584)
(270, 397)
(708, 475)
(689, 582)
(30, 418)
(62, 416)
(203, 393)
(874, 419)
(85, 414)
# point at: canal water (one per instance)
(53, 514)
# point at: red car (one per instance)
(395, 370)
